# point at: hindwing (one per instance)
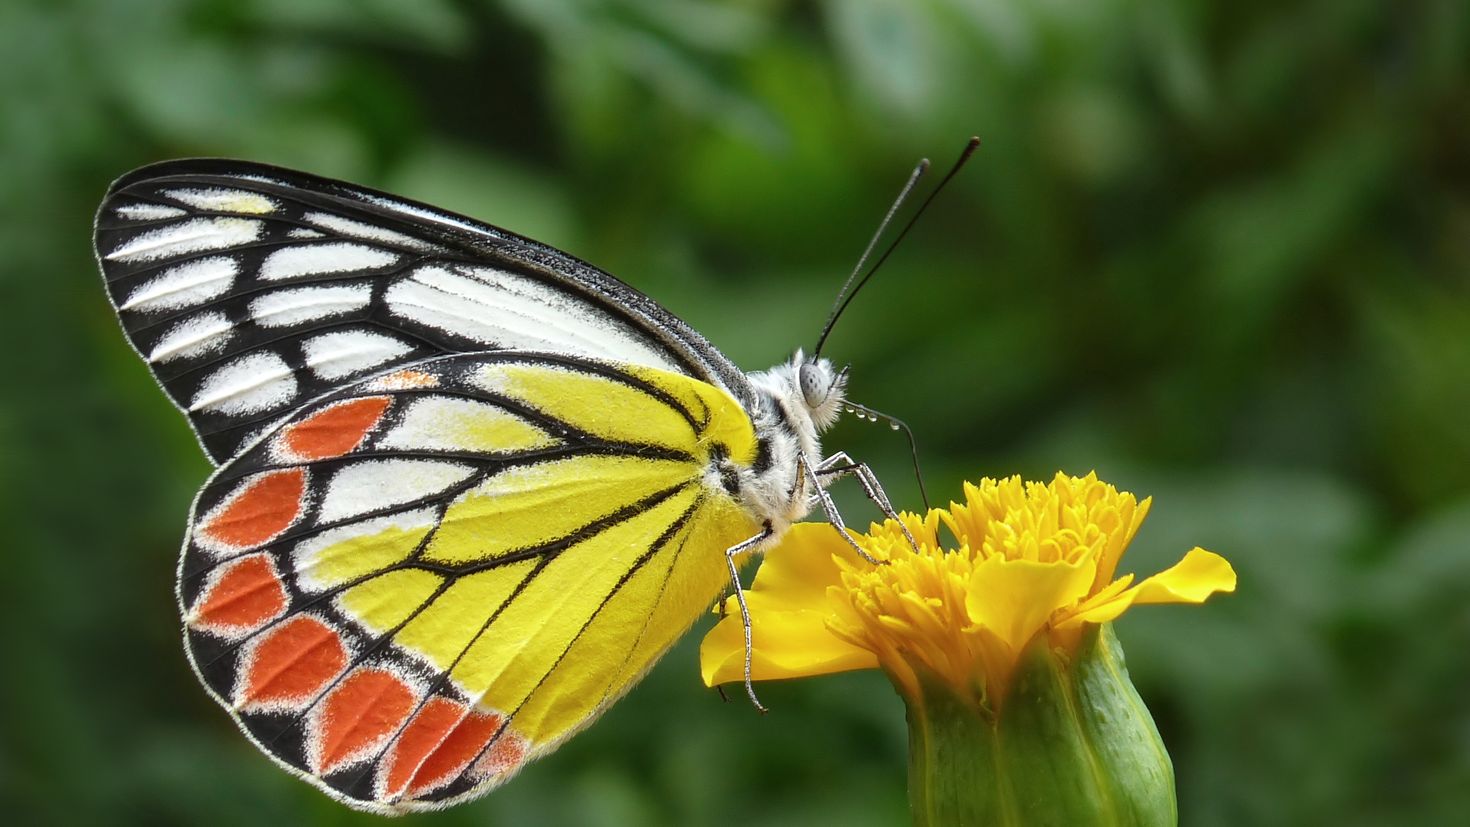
(250, 289)
(424, 579)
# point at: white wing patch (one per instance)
(367, 232)
(287, 308)
(314, 259)
(148, 212)
(225, 200)
(184, 285)
(510, 311)
(255, 382)
(369, 486)
(345, 352)
(192, 236)
(194, 336)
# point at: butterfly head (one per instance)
(822, 388)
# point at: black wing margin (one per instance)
(251, 289)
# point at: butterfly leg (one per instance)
(730, 554)
(833, 516)
(840, 465)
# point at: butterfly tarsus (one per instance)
(730, 554)
(723, 613)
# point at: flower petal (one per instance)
(784, 645)
(788, 615)
(799, 569)
(1200, 574)
(1014, 598)
(1132, 514)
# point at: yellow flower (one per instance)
(999, 639)
(1027, 560)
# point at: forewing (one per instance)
(250, 289)
(423, 580)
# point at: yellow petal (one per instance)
(1014, 598)
(1200, 574)
(799, 569)
(785, 645)
(1132, 514)
(788, 611)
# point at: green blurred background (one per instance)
(1219, 252)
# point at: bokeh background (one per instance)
(1219, 252)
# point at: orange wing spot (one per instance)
(335, 430)
(404, 380)
(247, 594)
(258, 510)
(292, 663)
(359, 715)
(505, 756)
(443, 738)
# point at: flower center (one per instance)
(1026, 551)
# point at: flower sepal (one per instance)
(1069, 743)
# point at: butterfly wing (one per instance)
(250, 289)
(423, 580)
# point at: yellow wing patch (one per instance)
(390, 598)
(530, 506)
(444, 629)
(549, 612)
(600, 406)
(725, 422)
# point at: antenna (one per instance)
(845, 296)
(903, 195)
(864, 412)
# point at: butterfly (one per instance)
(469, 487)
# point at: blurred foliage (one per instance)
(1219, 252)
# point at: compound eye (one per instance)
(814, 385)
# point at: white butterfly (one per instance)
(453, 461)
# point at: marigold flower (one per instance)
(1030, 559)
(1020, 598)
